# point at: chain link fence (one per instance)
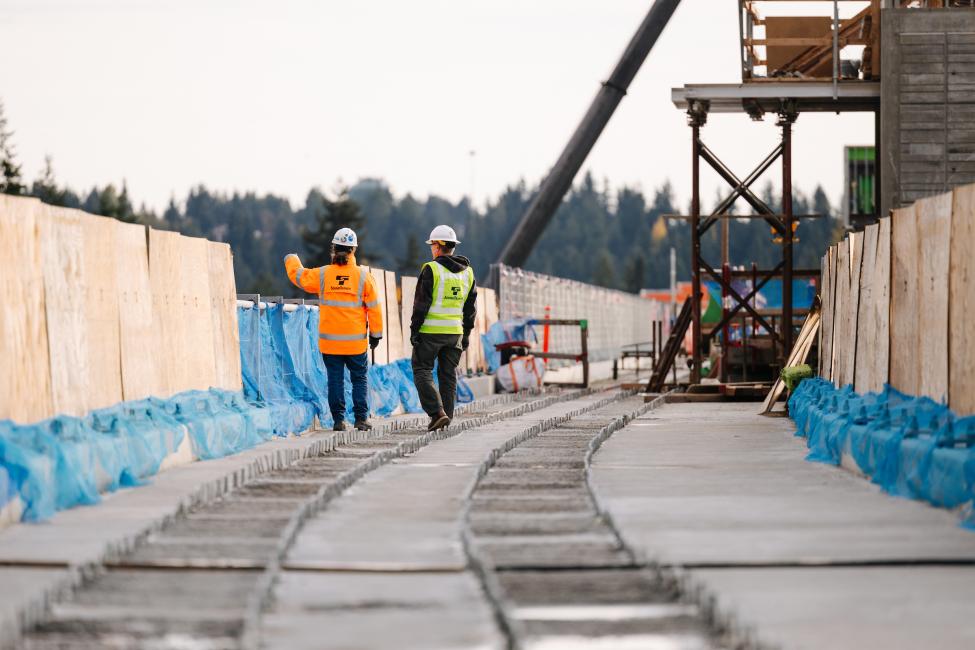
(616, 318)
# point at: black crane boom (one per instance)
(557, 183)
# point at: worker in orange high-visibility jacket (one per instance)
(349, 320)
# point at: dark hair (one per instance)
(340, 254)
(447, 246)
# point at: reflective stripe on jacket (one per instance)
(446, 313)
(349, 308)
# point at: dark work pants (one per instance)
(445, 350)
(358, 365)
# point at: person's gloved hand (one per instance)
(464, 342)
(374, 342)
(415, 340)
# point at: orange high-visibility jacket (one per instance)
(349, 309)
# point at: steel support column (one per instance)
(786, 117)
(696, 117)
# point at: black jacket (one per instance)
(424, 294)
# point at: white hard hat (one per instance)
(443, 233)
(345, 237)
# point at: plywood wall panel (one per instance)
(198, 369)
(841, 318)
(409, 292)
(62, 252)
(934, 231)
(880, 301)
(100, 273)
(904, 270)
(826, 308)
(137, 332)
(392, 327)
(168, 309)
(223, 311)
(866, 327)
(25, 379)
(853, 295)
(829, 315)
(380, 355)
(961, 354)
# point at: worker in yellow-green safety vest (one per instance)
(444, 308)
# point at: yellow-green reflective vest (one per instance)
(450, 291)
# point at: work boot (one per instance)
(363, 425)
(438, 421)
(338, 426)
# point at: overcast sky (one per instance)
(284, 95)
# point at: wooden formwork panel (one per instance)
(137, 331)
(841, 317)
(961, 350)
(198, 369)
(102, 311)
(391, 324)
(829, 312)
(409, 293)
(62, 242)
(827, 309)
(934, 232)
(25, 380)
(866, 327)
(380, 355)
(904, 303)
(880, 300)
(853, 300)
(223, 315)
(168, 310)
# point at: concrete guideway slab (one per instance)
(401, 524)
(373, 610)
(703, 484)
(895, 608)
(786, 552)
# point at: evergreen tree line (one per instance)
(614, 238)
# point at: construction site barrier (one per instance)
(910, 446)
(124, 354)
(898, 300)
(615, 318)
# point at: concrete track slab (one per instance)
(791, 554)
(715, 484)
(368, 610)
(408, 514)
(895, 608)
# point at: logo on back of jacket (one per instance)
(341, 283)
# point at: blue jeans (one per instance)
(335, 365)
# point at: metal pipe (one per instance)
(695, 251)
(836, 48)
(786, 123)
(557, 183)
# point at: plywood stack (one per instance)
(96, 314)
(961, 311)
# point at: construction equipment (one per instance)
(557, 183)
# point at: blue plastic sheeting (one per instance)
(517, 329)
(912, 447)
(407, 389)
